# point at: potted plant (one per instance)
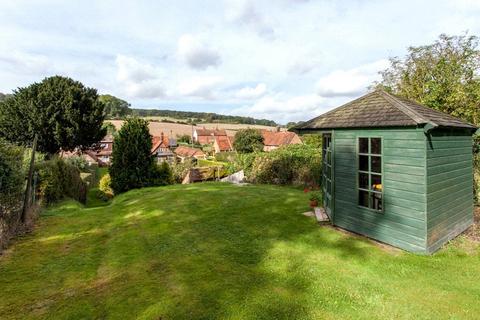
(315, 198)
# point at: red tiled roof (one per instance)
(271, 138)
(157, 142)
(184, 151)
(224, 143)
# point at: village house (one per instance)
(396, 171)
(103, 152)
(162, 148)
(275, 139)
(88, 155)
(207, 136)
(184, 152)
(223, 144)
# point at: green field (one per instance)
(218, 251)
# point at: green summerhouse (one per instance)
(396, 171)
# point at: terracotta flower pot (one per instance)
(313, 203)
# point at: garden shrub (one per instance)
(78, 162)
(133, 165)
(226, 156)
(12, 173)
(248, 140)
(289, 165)
(105, 187)
(58, 180)
(162, 175)
(12, 183)
(180, 169)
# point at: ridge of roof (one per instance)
(415, 116)
(343, 106)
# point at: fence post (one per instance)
(27, 198)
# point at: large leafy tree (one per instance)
(115, 107)
(248, 140)
(63, 112)
(444, 75)
(132, 163)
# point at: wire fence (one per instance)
(18, 204)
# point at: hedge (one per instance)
(59, 180)
(289, 165)
(12, 185)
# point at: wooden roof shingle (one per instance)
(382, 109)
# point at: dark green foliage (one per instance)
(228, 156)
(198, 117)
(4, 96)
(133, 165)
(115, 108)
(63, 112)
(248, 140)
(444, 76)
(80, 163)
(289, 165)
(162, 175)
(313, 140)
(184, 138)
(292, 124)
(12, 176)
(59, 180)
(110, 128)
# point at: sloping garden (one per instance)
(220, 251)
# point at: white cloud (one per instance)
(20, 61)
(302, 67)
(352, 82)
(252, 93)
(282, 108)
(139, 80)
(196, 54)
(245, 13)
(202, 87)
(130, 69)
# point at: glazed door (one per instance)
(327, 173)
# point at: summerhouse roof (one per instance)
(382, 109)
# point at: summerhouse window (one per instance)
(370, 180)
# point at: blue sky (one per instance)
(286, 60)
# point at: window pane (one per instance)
(328, 172)
(376, 145)
(363, 198)
(363, 163)
(363, 145)
(329, 157)
(376, 201)
(376, 182)
(376, 164)
(363, 180)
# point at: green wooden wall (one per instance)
(449, 185)
(403, 220)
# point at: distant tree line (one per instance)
(198, 117)
(116, 108)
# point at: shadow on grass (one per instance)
(198, 252)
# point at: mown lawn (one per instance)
(217, 251)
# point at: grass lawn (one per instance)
(218, 251)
